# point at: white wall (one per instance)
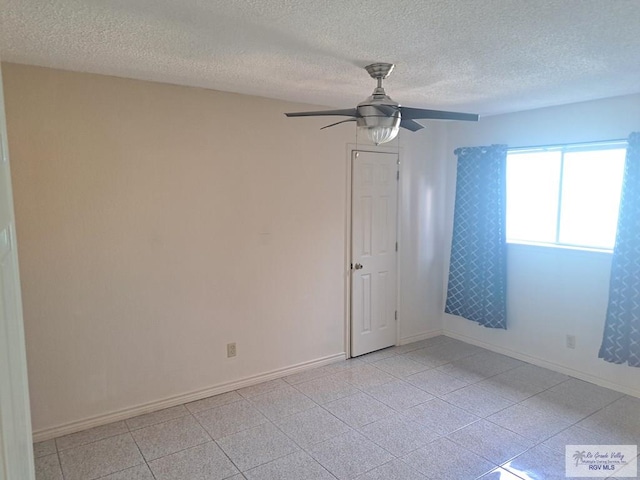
(157, 223)
(550, 292)
(423, 184)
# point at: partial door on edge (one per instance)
(374, 200)
(16, 451)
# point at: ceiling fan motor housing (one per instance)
(378, 110)
(371, 117)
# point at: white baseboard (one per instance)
(546, 364)
(420, 336)
(123, 414)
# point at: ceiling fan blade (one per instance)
(415, 113)
(338, 123)
(410, 125)
(350, 112)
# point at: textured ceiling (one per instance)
(483, 56)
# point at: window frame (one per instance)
(563, 149)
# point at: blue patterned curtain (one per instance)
(621, 338)
(477, 273)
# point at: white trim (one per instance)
(571, 249)
(420, 336)
(347, 252)
(129, 412)
(546, 364)
(399, 212)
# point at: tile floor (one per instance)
(437, 409)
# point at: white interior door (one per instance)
(373, 251)
(16, 452)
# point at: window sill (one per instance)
(551, 247)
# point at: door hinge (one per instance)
(396, 316)
(398, 175)
(396, 246)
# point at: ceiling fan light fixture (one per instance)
(379, 118)
(381, 134)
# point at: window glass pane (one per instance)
(591, 186)
(532, 196)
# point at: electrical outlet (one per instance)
(231, 350)
(571, 341)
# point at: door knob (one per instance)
(357, 266)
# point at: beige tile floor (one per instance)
(437, 409)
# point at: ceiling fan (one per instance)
(380, 116)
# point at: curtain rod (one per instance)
(578, 144)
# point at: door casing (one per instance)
(351, 148)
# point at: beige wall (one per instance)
(157, 223)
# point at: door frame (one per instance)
(350, 149)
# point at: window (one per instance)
(567, 196)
